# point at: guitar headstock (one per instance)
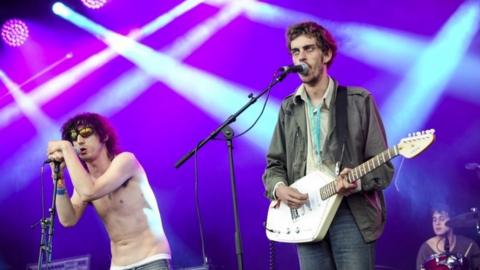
(415, 143)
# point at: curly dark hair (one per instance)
(99, 124)
(325, 40)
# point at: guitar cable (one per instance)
(395, 178)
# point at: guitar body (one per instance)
(311, 221)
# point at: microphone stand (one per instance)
(45, 250)
(474, 211)
(228, 133)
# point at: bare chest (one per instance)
(121, 201)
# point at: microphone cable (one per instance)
(274, 80)
(197, 209)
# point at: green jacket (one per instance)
(287, 155)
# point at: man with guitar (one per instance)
(319, 125)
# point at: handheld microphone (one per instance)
(49, 160)
(301, 68)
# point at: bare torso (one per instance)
(132, 219)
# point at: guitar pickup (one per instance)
(314, 199)
(294, 214)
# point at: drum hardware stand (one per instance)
(45, 249)
(474, 211)
(229, 135)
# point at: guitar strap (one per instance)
(342, 125)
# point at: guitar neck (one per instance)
(373, 163)
(358, 172)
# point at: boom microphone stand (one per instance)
(45, 250)
(228, 133)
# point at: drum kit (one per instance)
(450, 260)
(445, 261)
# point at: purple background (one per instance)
(160, 125)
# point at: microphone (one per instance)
(472, 166)
(302, 68)
(49, 160)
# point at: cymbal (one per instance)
(470, 219)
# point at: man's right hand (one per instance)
(290, 196)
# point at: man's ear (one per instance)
(105, 139)
(327, 56)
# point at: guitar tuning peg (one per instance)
(409, 134)
(418, 133)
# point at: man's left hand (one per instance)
(343, 187)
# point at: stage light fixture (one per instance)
(14, 32)
(94, 4)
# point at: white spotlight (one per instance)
(60, 9)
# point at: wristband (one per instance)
(60, 183)
(61, 191)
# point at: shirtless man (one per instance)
(116, 185)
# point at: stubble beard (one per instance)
(312, 82)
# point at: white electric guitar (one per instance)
(311, 221)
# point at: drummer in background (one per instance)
(459, 246)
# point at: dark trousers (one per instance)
(342, 249)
